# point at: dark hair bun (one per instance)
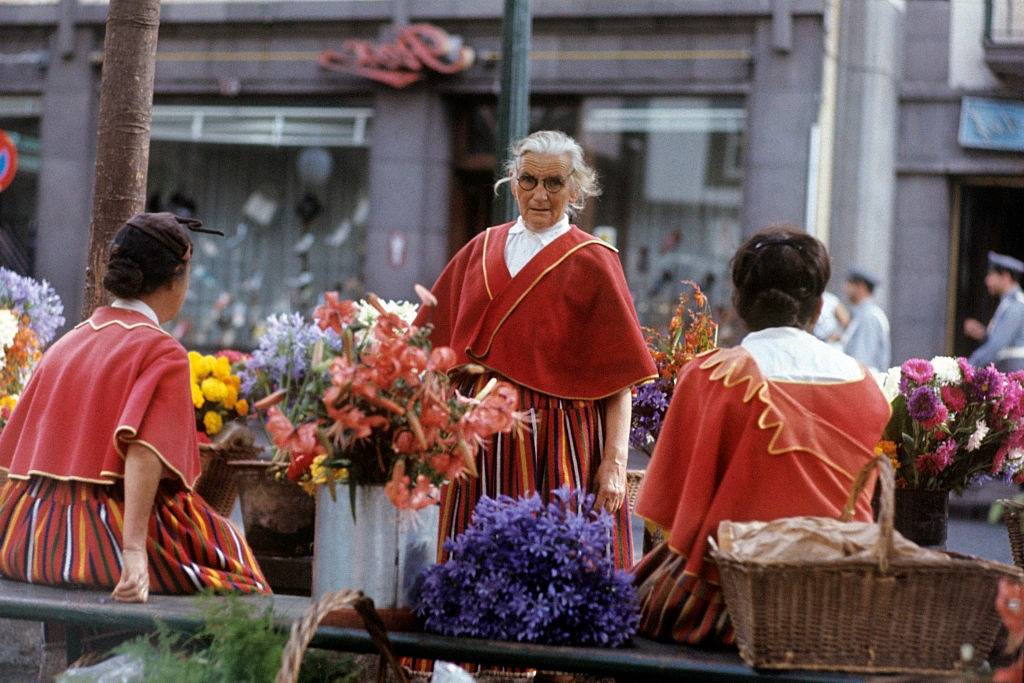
(124, 278)
(141, 261)
(778, 276)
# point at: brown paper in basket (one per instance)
(811, 538)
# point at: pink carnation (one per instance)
(935, 463)
(999, 458)
(918, 370)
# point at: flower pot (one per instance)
(380, 551)
(922, 515)
(278, 515)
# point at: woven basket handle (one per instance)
(303, 630)
(883, 548)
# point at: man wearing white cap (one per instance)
(1004, 337)
(867, 336)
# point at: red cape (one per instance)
(114, 379)
(736, 446)
(564, 325)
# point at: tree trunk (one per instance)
(122, 144)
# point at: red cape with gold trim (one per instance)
(564, 325)
(114, 379)
(736, 446)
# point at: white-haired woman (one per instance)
(541, 303)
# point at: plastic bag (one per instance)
(119, 669)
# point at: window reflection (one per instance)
(293, 204)
(672, 172)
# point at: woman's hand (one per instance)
(610, 483)
(975, 329)
(134, 583)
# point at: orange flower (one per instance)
(279, 428)
(335, 313)
(442, 359)
(1010, 606)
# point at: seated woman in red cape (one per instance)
(776, 427)
(545, 305)
(102, 453)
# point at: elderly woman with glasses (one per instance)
(545, 305)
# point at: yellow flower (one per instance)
(213, 389)
(197, 396)
(230, 396)
(8, 401)
(195, 360)
(206, 364)
(235, 381)
(242, 407)
(212, 422)
(221, 368)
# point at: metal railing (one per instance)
(1004, 22)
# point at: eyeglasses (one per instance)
(553, 184)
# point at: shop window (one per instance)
(18, 221)
(672, 173)
(289, 188)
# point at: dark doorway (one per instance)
(991, 218)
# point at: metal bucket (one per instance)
(380, 552)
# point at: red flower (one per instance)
(940, 416)
(954, 398)
(335, 313)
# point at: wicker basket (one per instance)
(216, 483)
(633, 480)
(303, 630)
(874, 616)
(1013, 517)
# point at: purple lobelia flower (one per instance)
(531, 572)
(34, 298)
(284, 352)
(649, 406)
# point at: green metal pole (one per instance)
(514, 99)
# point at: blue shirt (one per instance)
(867, 337)
(1004, 344)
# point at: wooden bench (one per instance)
(643, 659)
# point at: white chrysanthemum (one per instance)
(406, 310)
(8, 328)
(1015, 458)
(980, 432)
(947, 370)
(890, 383)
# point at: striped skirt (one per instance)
(678, 606)
(70, 533)
(559, 445)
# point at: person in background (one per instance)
(778, 426)
(1004, 337)
(867, 336)
(833, 320)
(102, 452)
